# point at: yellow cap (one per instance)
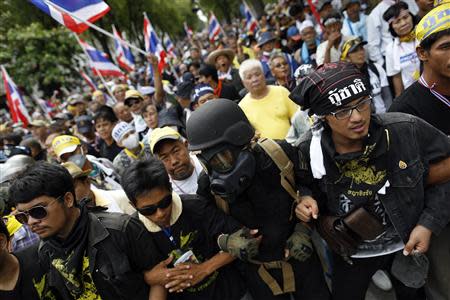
(12, 224)
(75, 171)
(97, 93)
(436, 20)
(65, 144)
(350, 46)
(160, 134)
(439, 2)
(133, 94)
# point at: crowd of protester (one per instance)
(303, 160)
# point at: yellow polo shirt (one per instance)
(271, 115)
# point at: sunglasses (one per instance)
(37, 212)
(132, 101)
(151, 209)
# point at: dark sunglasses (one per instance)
(151, 209)
(37, 212)
(132, 101)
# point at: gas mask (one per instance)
(131, 142)
(78, 159)
(230, 171)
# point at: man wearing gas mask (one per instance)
(245, 181)
(103, 175)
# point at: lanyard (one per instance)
(441, 97)
(350, 26)
(168, 232)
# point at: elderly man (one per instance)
(310, 43)
(268, 108)
(280, 71)
(122, 112)
(223, 59)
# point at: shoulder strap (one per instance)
(283, 163)
(373, 68)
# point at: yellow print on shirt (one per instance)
(82, 282)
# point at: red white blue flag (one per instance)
(170, 47)
(91, 83)
(187, 30)
(16, 104)
(99, 62)
(213, 28)
(64, 10)
(123, 54)
(251, 24)
(153, 44)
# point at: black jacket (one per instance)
(413, 146)
(119, 249)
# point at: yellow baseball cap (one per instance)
(160, 134)
(350, 46)
(97, 93)
(133, 94)
(439, 2)
(436, 20)
(65, 144)
(75, 171)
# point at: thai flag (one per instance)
(188, 31)
(214, 27)
(124, 57)
(64, 10)
(170, 48)
(91, 83)
(251, 24)
(16, 104)
(99, 62)
(153, 44)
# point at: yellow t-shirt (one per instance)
(271, 115)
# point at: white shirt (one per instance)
(335, 54)
(402, 58)
(355, 29)
(116, 200)
(189, 185)
(378, 35)
(139, 123)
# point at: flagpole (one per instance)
(93, 26)
(98, 72)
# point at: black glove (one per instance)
(240, 244)
(299, 243)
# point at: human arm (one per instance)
(157, 292)
(374, 39)
(196, 272)
(157, 80)
(398, 84)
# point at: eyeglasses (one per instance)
(151, 209)
(347, 112)
(132, 101)
(37, 212)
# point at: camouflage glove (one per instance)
(299, 243)
(240, 244)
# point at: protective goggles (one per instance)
(151, 209)
(38, 212)
(221, 160)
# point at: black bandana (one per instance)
(330, 87)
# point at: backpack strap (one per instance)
(279, 157)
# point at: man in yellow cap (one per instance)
(103, 175)
(429, 99)
(135, 101)
(183, 168)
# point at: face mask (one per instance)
(233, 183)
(131, 142)
(78, 159)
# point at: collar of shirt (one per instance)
(177, 208)
(131, 154)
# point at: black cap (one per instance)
(84, 124)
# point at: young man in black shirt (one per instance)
(183, 226)
(85, 254)
(429, 97)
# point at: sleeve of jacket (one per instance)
(434, 146)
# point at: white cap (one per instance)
(120, 130)
(146, 90)
(306, 24)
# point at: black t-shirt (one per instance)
(108, 151)
(197, 229)
(29, 271)
(229, 92)
(417, 100)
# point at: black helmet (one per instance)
(216, 122)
